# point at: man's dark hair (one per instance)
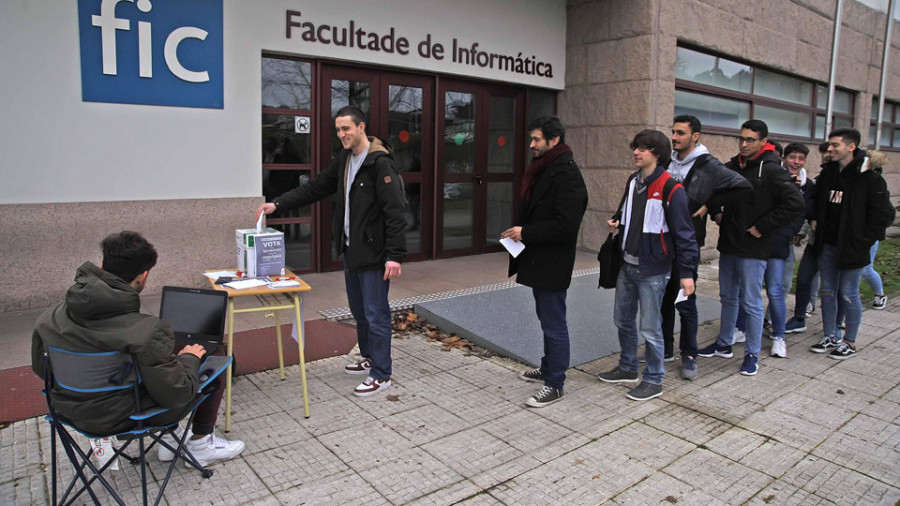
(778, 148)
(692, 121)
(796, 147)
(354, 112)
(127, 254)
(849, 135)
(550, 126)
(758, 126)
(823, 147)
(657, 143)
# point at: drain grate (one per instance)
(343, 313)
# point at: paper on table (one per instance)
(681, 296)
(245, 283)
(283, 284)
(259, 222)
(514, 247)
(220, 274)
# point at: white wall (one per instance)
(57, 148)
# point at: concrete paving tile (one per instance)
(722, 405)
(505, 472)
(839, 484)
(845, 378)
(755, 451)
(660, 488)
(867, 445)
(482, 499)
(335, 415)
(786, 428)
(824, 391)
(452, 494)
(526, 430)
(233, 482)
(346, 487)
(472, 451)
(465, 400)
(718, 476)
(364, 446)
(269, 431)
(883, 410)
(425, 423)
(396, 399)
(578, 414)
(413, 474)
(780, 492)
(263, 501)
(647, 444)
(686, 424)
(799, 359)
(294, 464)
(21, 449)
(590, 474)
(248, 402)
(289, 393)
(411, 366)
(812, 409)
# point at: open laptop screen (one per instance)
(195, 315)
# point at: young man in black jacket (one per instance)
(554, 199)
(853, 209)
(745, 239)
(708, 184)
(368, 228)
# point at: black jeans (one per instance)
(689, 317)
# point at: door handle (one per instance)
(479, 179)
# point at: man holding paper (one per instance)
(554, 199)
(368, 230)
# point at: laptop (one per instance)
(196, 315)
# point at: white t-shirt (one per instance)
(355, 164)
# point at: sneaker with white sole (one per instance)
(750, 365)
(618, 376)
(544, 397)
(779, 349)
(739, 336)
(371, 386)
(880, 302)
(825, 345)
(361, 367)
(644, 391)
(165, 454)
(842, 352)
(810, 309)
(211, 449)
(714, 350)
(532, 376)
(795, 325)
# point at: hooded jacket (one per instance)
(101, 313)
(377, 203)
(865, 213)
(773, 202)
(707, 182)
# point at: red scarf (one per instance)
(768, 147)
(538, 165)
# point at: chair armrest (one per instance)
(212, 367)
(147, 414)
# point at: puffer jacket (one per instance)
(101, 313)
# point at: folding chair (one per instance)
(105, 372)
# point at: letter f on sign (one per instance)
(109, 23)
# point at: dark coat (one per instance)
(774, 202)
(709, 183)
(377, 204)
(102, 313)
(866, 210)
(550, 222)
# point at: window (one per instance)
(890, 125)
(724, 93)
(287, 150)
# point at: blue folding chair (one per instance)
(89, 373)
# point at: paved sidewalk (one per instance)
(454, 429)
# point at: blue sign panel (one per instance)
(154, 52)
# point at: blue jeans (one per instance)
(550, 306)
(367, 295)
(775, 290)
(806, 274)
(846, 282)
(740, 283)
(687, 310)
(633, 289)
(871, 275)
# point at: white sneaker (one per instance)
(165, 454)
(738, 336)
(212, 449)
(880, 302)
(779, 349)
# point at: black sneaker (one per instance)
(532, 375)
(794, 325)
(880, 302)
(644, 391)
(714, 350)
(545, 396)
(617, 376)
(842, 352)
(669, 357)
(825, 345)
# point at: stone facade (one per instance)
(620, 74)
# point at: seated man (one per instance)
(102, 313)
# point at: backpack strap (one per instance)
(668, 187)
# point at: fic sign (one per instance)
(154, 52)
